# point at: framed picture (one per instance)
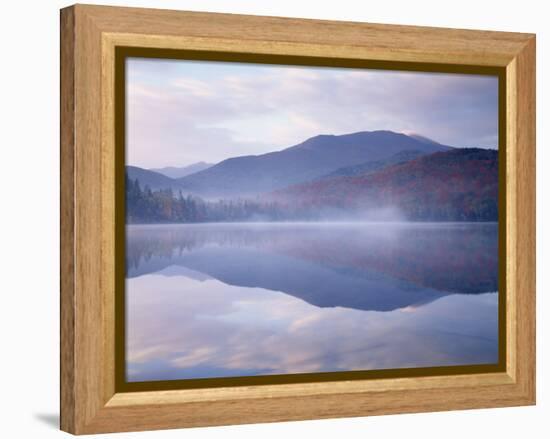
(268, 219)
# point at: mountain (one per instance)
(315, 157)
(372, 166)
(455, 185)
(154, 180)
(179, 172)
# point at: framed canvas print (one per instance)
(268, 219)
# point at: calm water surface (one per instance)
(217, 300)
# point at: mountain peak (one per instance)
(308, 160)
(352, 138)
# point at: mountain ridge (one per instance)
(319, 155)
(182, 171)
(154, 180)
(460, 184)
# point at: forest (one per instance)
(164, 206)
(144, 206)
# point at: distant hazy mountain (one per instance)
(315, 157)
(154, 180)
(179, 172)
(373, 166)
(457, 185)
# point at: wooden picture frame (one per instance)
(91, 402)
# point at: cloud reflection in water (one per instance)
(186, 323)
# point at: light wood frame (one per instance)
(89, 36)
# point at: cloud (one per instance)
(181, 328)
(182, 111)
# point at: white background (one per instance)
(29, 205)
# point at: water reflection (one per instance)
(213, 300)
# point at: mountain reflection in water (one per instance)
(213, 300)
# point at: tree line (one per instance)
(144, 205)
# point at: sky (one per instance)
(182, 112)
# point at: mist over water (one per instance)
(213, 300)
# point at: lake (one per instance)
(220, 300)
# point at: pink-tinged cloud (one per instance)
(179, 112)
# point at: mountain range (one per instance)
(330, 177)
(315, 157)
(246, 176)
